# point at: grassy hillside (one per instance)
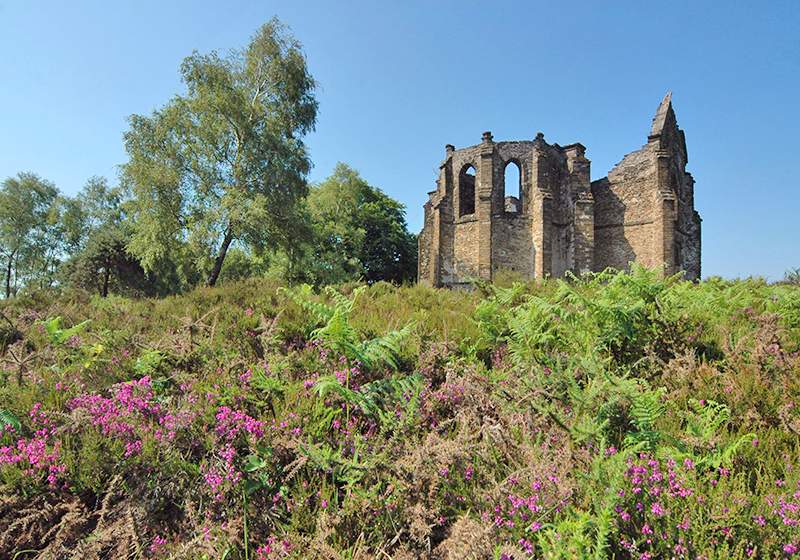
(626, 416)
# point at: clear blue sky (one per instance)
(400, 79)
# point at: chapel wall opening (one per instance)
(466, 191)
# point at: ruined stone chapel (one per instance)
(560, 220)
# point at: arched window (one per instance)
(512, 195)
(466, 191)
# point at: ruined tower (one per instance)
(555, 220)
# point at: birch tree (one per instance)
(27, 205)
(223, 163)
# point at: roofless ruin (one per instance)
(556, 219)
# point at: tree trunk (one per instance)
(106, 278)
(8, 273)
(215, 270)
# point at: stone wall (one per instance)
(465, 244)
(555, 221)
(512, 244)
(644, 209)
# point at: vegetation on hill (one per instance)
(623, 415)
(615, 416)
(214, 189)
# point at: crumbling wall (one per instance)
(512, 242)
(644, 209)
(466, 247)
(559, 222)
(626, 210)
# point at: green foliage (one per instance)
(359, 233)
(28, 233)
(61, 336)
(610, 314)
(379, 400)
(99, 260)
(702, 440)
(7, 419)
(578, 535)
(339, 335)
(148, 363)
(223, 164)
(792, 276)
(646, 410)
(602, 417)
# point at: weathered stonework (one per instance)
(557, 220)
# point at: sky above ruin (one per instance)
(400, 79)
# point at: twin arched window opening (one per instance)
(512, 183)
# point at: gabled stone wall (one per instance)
(645, 207)
(555, 220)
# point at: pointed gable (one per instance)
(660, 121)
(665, 133)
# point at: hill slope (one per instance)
(625, 416)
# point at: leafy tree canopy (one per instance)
(360, 232)
(28, 214)
(225, 162)
(97, 230)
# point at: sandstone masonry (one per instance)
(556, 220)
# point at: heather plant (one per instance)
(618, 415)
(676, 508)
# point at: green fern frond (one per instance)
(330, 384)
(343, 469)
(385, 348)
(378, 399)
(59, 336)
(508, 296)
(338, 331)
(712, 416)
(51, 325)
(491, 321)
(646, 409)
(7, 418)
(342, 302)
(339, 335)
(727, 452)
(320, 312)
(709, 417)
(378, 396)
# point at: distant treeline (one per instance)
(346, 230)
(215, 187)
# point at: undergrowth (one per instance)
(615, 416)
